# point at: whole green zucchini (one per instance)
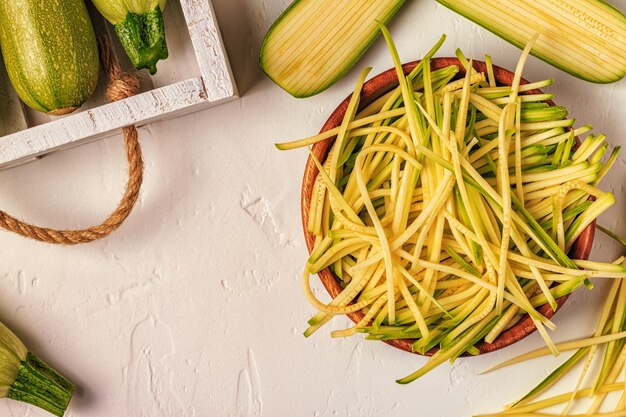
(140, 26)
(50, 52)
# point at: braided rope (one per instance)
(121, 86)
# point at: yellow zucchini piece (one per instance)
(586, 38)
(315, 42)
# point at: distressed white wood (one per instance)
(176, 99)
(184, 84)
(209, 48)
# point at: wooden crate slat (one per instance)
(210, 51)
(79, 128)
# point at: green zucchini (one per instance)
(315, 42)
(50, 52)
(586, 38)
(24, 377)
(140, 27)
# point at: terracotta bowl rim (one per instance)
(374, 88)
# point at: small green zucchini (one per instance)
(50, 52)
(140, 26)
(314, 43)
(24, 377)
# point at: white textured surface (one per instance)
(194, 307)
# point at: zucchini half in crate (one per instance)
(50, 53)
(140, 27)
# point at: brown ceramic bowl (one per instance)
(373, 89)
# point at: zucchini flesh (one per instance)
(315, 42)
(115, 11)
(586, 38)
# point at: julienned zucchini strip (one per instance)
(586, 38)
(446, 208)
(610, 331)
(315, 42)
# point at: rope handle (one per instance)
(121, 85)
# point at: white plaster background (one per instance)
(194, 307)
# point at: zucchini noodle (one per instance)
(446, 207)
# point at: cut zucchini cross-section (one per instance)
(586, 38)
(315, 42)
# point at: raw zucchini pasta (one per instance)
(447, 207)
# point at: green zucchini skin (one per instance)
(50, 52)
(140, 26)
(40, 385)
(143, 38)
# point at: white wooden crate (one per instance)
(197, 75)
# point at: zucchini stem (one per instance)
(40, 385)
(143, 38)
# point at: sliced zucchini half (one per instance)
(586, 38)
(315, 42)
